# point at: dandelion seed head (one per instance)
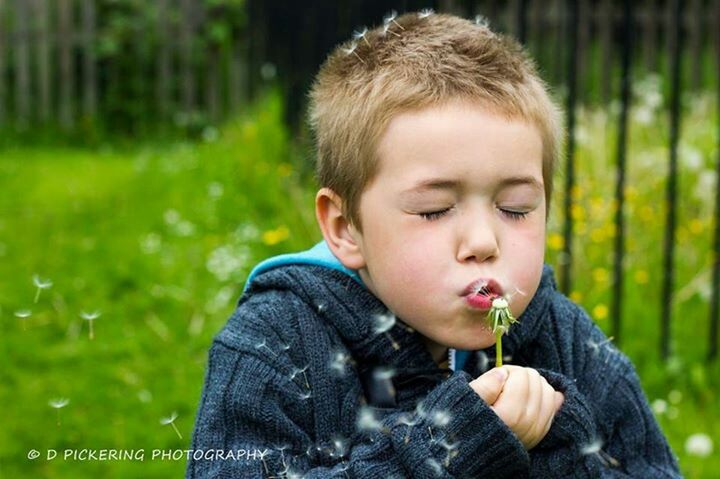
(384, 322)
(500, 303)
(169, 420)
(699, 444)
(90, 316)
(425, 12)
(23, 313)
(592, 448)
(58, 403)
(42, 283)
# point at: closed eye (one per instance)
(433, 215)
(514, 215)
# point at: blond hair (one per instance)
(414, 61)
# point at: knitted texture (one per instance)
(308, 379)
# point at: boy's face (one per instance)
(458, 198)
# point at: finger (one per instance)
(490, 385)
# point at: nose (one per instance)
(478, 241)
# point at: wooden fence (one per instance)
(56, 65)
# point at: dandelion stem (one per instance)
(58, 416)
(176, 430)
(37, 294)
(91, 333)
(498, 348)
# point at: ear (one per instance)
(341, 236)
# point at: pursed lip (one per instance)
(487, 285)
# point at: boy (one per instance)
(367, 356)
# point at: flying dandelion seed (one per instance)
(23, 314)
(264, 345)
(390, 18)
(351, 51)
(699, 444)
(40, 284)
(90, 317)
(361, 35)
(58, 404)
(339, 362)
(441, 418)
(171, 420)
(366, 420)
(384, 323)
(406, 420)
(481, 21)
(297, 371)
(435, 466)
(450, 450)
(425, 12)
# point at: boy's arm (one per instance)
(607, 429)
(249, 405)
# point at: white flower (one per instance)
(699, 444)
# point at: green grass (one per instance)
(160, 237)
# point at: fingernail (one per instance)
(500, 373)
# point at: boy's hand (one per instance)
(525, 401)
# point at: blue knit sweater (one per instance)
(309, 379)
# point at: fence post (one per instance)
(671, 192)
(89, 65)
(714, 300)
(621, 157)
(570, 155)
(42, 46)
(22, 64)
(187, 29)
(2, 62)
(67, 75)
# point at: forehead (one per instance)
(458, 139)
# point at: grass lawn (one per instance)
(154, 242)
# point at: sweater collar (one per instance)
(368, 328)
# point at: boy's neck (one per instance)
(438, 352)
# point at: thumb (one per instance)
(490, 385)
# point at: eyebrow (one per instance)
(440, 184)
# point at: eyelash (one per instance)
(434, 215)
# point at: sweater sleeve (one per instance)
(248, 406)
(606, 430)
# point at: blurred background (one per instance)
(152, 152)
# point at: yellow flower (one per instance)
(284, 169)
(600, 311)
(601, 275)
(641, 276)
(646, 213)
(556, 242)
(272, 237)
(696, 226)
(249, 131)
(597, 235)
(576, 296)
(578, 212)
